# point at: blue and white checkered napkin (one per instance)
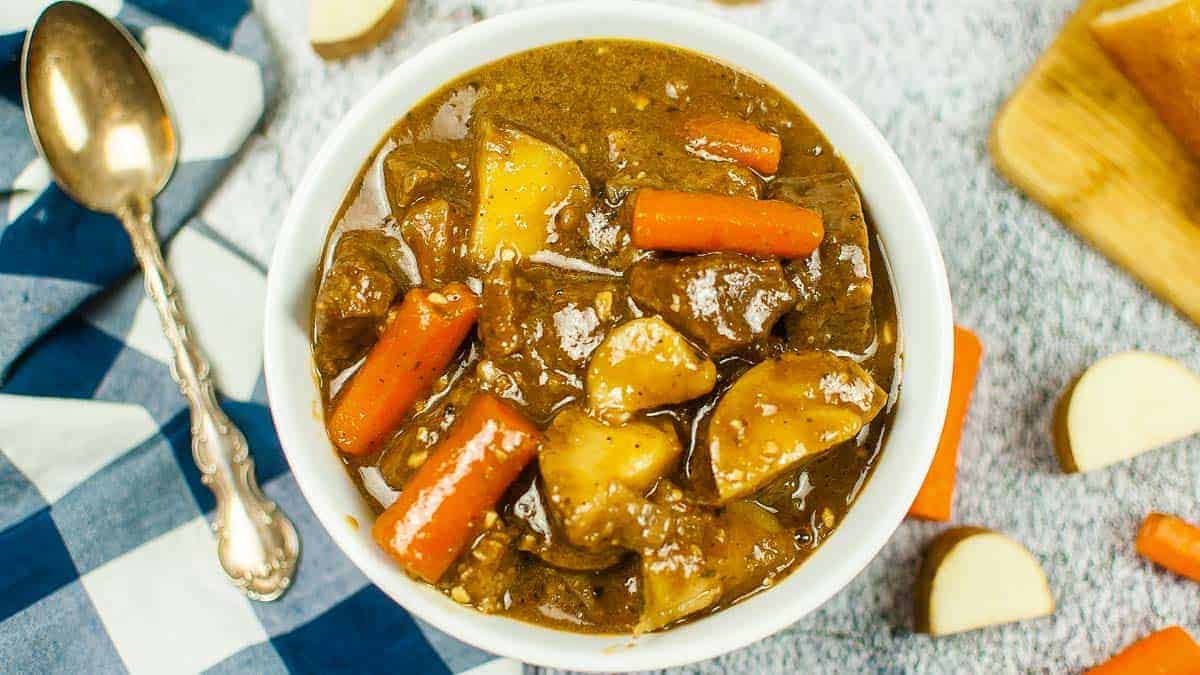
(106, 559)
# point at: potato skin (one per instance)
(935, 553)
(1062, 435)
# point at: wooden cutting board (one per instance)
(1080, 140)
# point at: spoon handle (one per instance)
(257, 545)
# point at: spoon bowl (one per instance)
(97, 112)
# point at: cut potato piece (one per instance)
(709, 558)
(644, 364)
(1123, 406)
(973, 577)
(522, 183)
(337, 29)
(1153, 42)
(596, 473)
(676, 582)
(680, 574)
(785, 410)
(755, 548)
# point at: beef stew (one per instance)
(605, 337)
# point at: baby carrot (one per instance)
(1171, 542)
(735, 140)
(1170, 651)
(934, 500)
(442, 507)
(697, 223)
(413, 351)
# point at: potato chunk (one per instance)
(521, 183)
(709, 557)
(785, 410)
(337, 30)
(973, 578)
(644, 364)
(755, 549)
(597, 474)
(1122, 406)
(676, 582)
(407, 178)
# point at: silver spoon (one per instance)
(98, 117)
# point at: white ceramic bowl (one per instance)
(899, 217)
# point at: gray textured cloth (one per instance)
(932, 75)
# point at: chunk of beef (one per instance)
(436, 231)
(835, 282)
(499, 321)
(724, 301)
(539, 325)
(642, 162)
(597, 234)
(362, 280)
(407, 178)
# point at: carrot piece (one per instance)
(936, 497)
(1170, 651)
(696, 223)
(415, 348)
(443, 505)
(1171, 542)
(735, 140)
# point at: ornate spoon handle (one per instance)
(256, 543)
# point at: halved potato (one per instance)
(337, 29)
(596, 472)
(973, 577)
(785, 410)
(521, 184)
(1122, 406)
(643, 364)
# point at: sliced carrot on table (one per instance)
(697, 223)
(1170, 651)
(734, 140)
(414, 350)
(445, 503)
(936, 497)
(1171, 542)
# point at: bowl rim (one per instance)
(920, 285)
